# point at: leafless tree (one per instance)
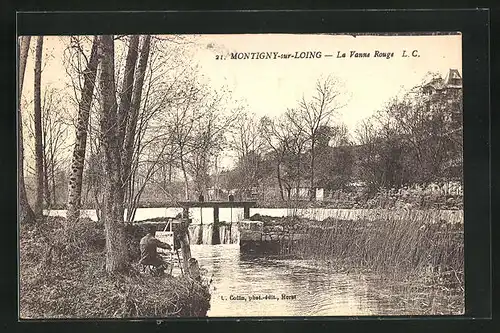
(79, 150)
(209, 137)
(26, 214)
(38, 128)
(245, 136)
(55, 134)
(276, 135)
(314, 112)
(54, 140)
(246, 141)
(116, 250)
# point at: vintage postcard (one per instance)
(242, 175)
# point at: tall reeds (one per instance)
(400, 248)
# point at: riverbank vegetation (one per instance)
(419, 261)
(62, 275)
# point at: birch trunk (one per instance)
(78, 158)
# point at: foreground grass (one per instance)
(415, 265)
(62, 275)
(428, 296)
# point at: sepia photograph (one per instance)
(240, 175)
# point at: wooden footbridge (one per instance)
(254, 237)
(216, 205)
(246, 205)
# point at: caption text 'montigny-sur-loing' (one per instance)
(271, 55)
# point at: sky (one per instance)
(270, 86)
(273, 85)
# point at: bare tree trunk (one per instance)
(124, 109)
(278, 174)
(170, 172)
(38, 128)
(312, 193)
(78, 159)
(46, 191)
(131, 126)
(26, 214)
(297, 191)
(54, 197)
(186, 182)
(46, 157)
(116, 248)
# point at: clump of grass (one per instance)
(62, 275)
(417, 297)
(400, 247)
(415, 259)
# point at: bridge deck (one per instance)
(218, 204)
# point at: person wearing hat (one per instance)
(148, 246)
(194, 270)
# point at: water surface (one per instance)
(308, 290)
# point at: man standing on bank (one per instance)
(149, 254)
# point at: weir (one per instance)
(203, 233)
(217, 232)
(252, 236)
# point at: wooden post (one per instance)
(183, 232)
(216, 214)
(200, 230)
(215, 227)
(246, 212)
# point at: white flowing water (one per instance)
(202, 234)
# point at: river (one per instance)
(292, 287)
(308, 290)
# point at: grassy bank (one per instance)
(62, 276)
(417, 264)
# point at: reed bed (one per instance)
(62, 276)
(414, 261)
(405, 247)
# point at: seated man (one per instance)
(194, 270)
(148, 246)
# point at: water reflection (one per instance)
(310, 291)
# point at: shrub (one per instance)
(62, 275)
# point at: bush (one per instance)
(62, 275)
(385, 199)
